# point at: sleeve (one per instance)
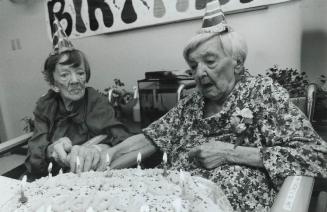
(101, 120)
(36, 162)
(288, 138)
(167, 130)
(116, 135)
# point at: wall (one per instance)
(274, 37)
(314, 39)
(3, 133)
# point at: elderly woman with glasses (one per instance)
(69, 115)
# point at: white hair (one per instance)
(232, 43)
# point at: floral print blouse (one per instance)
(257, 113)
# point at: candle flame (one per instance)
(50, 167)
(164, 158)
(107, 158)
(24, 180)
(78, 163)
(139, 158)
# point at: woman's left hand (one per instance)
(89, 158)
(211, 155)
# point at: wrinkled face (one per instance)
(70, 80)
(212, 69)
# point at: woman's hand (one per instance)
(103, 163)
(89, 158)
(211, 155)
(322, 149)
(59, 151)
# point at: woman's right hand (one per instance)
(103, 158)
(212, 154)
(59, 150)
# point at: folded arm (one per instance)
(247, 156)
(216, 153)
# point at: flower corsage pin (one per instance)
(240, 122)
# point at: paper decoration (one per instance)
(81, 18)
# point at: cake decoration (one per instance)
(50, 169)
(23, 198)
(138, 160)
(164, 162)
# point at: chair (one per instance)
(294, 195)
(302, 193)
(307, 103)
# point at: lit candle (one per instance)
(138, 160)
(108, 165)
(182, 182)
(107, 161)
(24, 180)
(145, 208)
(50, 169)
(215, 195)
(78, 166)
(23, 198)
(164, 160)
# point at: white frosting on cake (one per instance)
(128, 190)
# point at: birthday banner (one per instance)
(81, 18)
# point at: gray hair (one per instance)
(232, 43)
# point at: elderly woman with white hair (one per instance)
(239, 131)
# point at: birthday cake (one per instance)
(128, 190)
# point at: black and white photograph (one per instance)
(163, 105)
